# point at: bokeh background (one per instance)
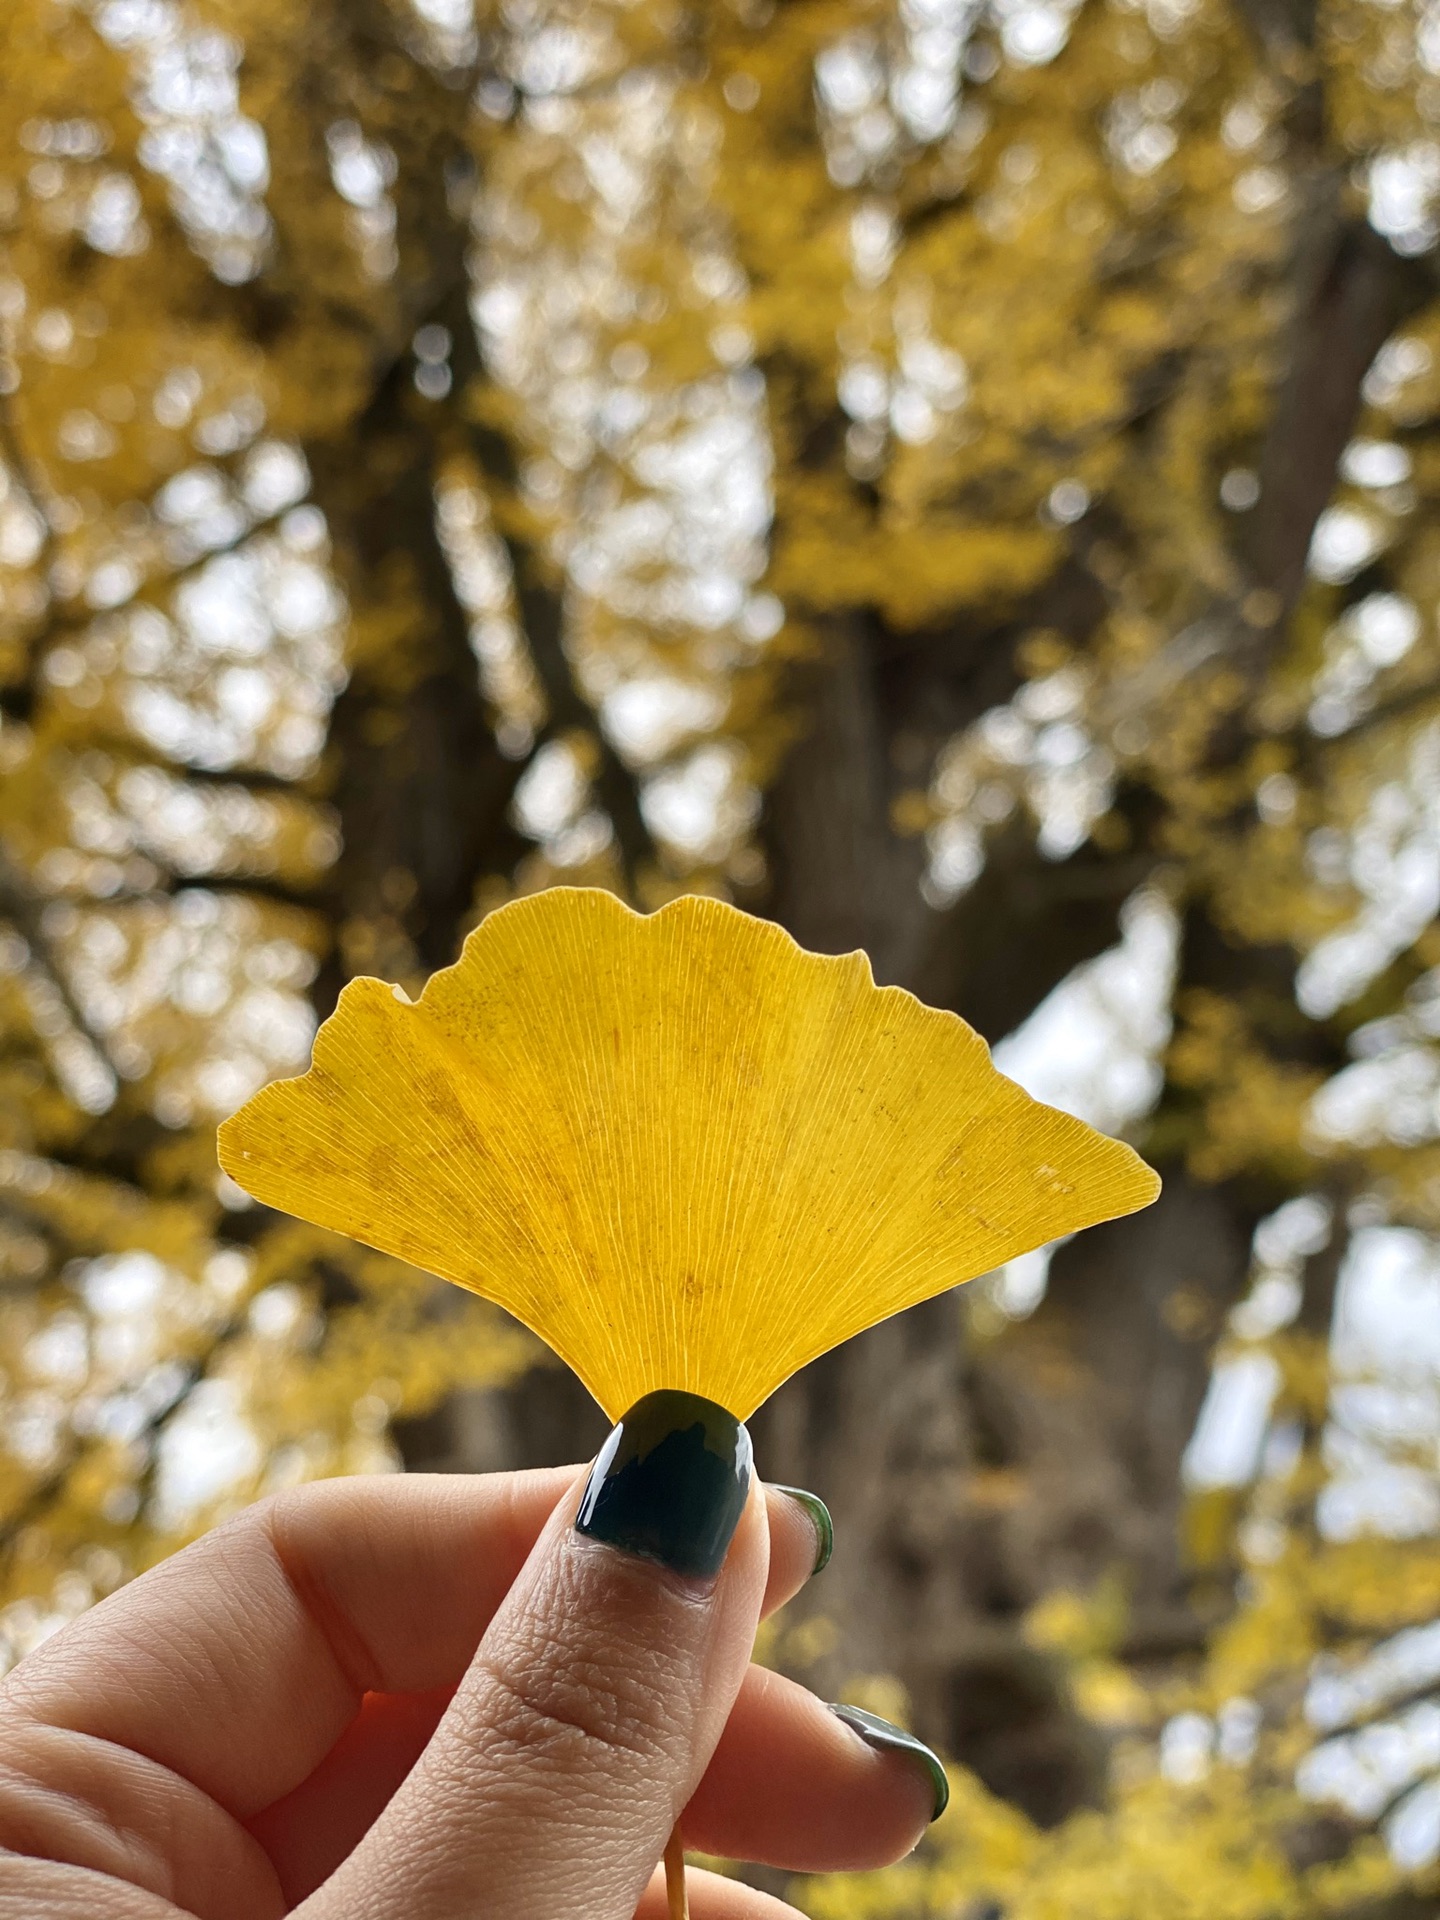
(957, 476)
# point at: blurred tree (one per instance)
(957, 478)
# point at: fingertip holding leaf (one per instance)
(682, 1150)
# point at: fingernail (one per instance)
(818, 1515)
(670, 1483)
(888, 1738)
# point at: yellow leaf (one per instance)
(683, 1151)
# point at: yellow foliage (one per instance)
(997, 388)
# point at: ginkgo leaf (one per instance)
(682, 1150)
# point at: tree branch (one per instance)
(541, 610)
(44, 1494)
(23, 907)
(17, 699)
(1360, 290)
(1407, 701)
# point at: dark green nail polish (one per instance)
(887, 1738)
(820, 1519)
(670, 1483)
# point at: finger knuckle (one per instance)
(581, 1712)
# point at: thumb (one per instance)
(595, 1698)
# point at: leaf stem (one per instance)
(675, 1875)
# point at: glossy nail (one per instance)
(818, 1515)
(670, 1484)
(888, 1738)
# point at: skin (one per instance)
(427, 1697)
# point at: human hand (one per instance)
(436, 1698)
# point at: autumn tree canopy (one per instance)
(955, 476)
